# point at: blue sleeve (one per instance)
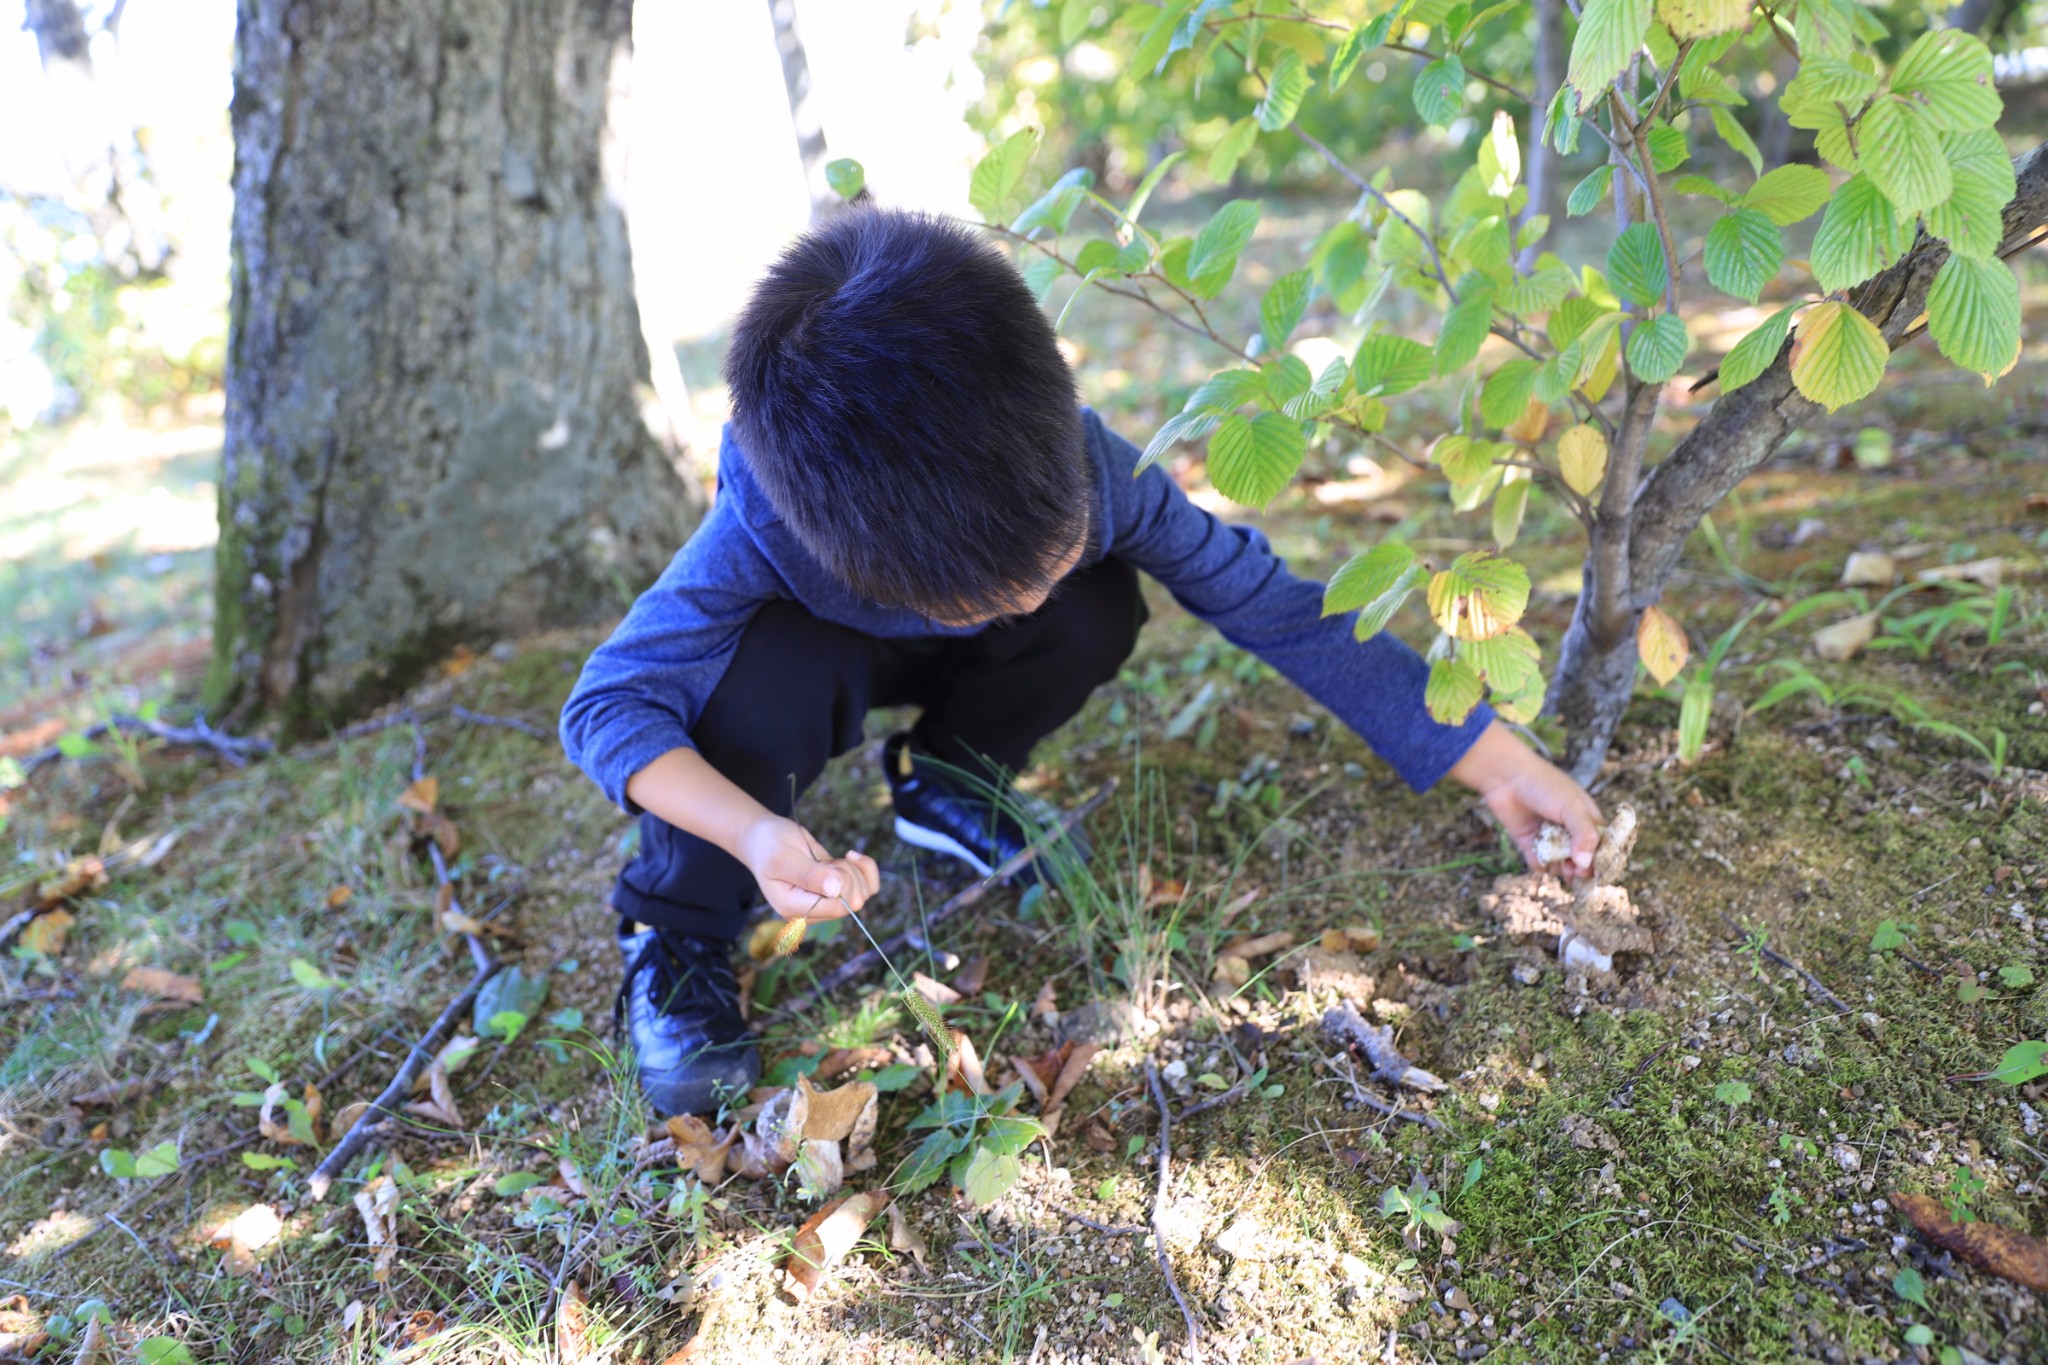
(1230, 577)
(643, 689)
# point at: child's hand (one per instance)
(1524, 791)
(798, 879)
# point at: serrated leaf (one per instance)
(1972, 221)
(1040, 274)
(1899, 150)
(1743, 252)
(1281, 308)
(1582, 458)
(1182, 426)
(1452, 692)
(1700, 185)
(1587, 194)
(1661, 645)
(1508, 507)
(1354, 47)
(1946, 75)
(846, 177)
(1465, 327)
(1668, 150)
(1973, 312)
(1859, 235)
(1480, 595)
(1752, 355)
(996, 174)
(1388, 364)
(1788, 194)
(1508, 662)
(1320, 396)
(1152, 48)
(1636, 266)
(1285, 376)
(1143, 194)
(1285, 87)
(1539, 291)
(1500, 156)
(1702, 18)
(929, 1161)
(1238, 140)
(1657, 348)
(1507, 390)
(1609, 33)
(1439, 91)
(1055, 208)
(1463, 459)
(1217, 245)
(1735, 135)
(1226, 391)
(987, 1176)
(1366, 576)
(1838, 357)
(1250, 461)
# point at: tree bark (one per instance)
(811, 151)
(433, 429)
(1597, 662)
(1545, 194)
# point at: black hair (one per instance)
(903, 402)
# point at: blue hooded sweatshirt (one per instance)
(645, 687)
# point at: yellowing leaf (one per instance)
(1582, 458)
(1838, 355)
(163, 985)
(1661, 645)
(1479, 596)
(1702, 18)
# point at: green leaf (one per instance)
(1465, 460)
(1508, 662)
(1074, 20)
(1282, 306)
(1743, 252)
(1465, 328)
(1859, 235)
(311, 977)
(117, 1163)
(1040, 273)
(1610, 31)
(1480, 595)
(1735, 135)
(1217, 245)
(1752, 355)
(1095, 255)
(1452, 692)
(1223, 158)
(846, 177)
(516, 1183)
(1055, 208)
(1319, 397)
(988, 1176)
(1700, 185)
(1439, 91)
(1667, 149)
(2023, 1062)
(1356, 44)
(1250, 461)
(1636, 266)
(928, 1162)
(1285, 376)
(1143, 194)
(1284, 90)
(161, 1159)
(1788, 193)
(1908, 1285)
(1587, 194)
(1011, 1133)
(1500, 156)
(163, 1351)
(512, 991)
(1507, 390)
(75, 745)
(1946, 76)
(1972, 221)
(1366, 577)
(1732, 1093)
(1838, 357)
(2017, 977)
(1182, 426)
(996, 174)
(1508, 507)
(1152, 48)
(1539, 291)
(1887, 937)
(1901, 153)
(1657, 348)
(1226, 391)
(263, 1161)
(1973, 310)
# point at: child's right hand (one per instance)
(797, 878)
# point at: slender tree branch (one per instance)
(1159, 1209)
(1670, 79)
(1656, 199)
(1203, 329)
(1511, 91)
(1428, 243)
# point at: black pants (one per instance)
(799, 688)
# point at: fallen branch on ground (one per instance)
(1159, 1208)
(862, 963)
(421, 1054)
(1346, 1025)
(1813, 982)
(1371, 1101)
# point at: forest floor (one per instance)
(1694, 1158)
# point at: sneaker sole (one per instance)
(939, 842)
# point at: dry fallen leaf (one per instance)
(970, 979)
(572, 1325)
(1844, 640)
(1045, 1006)
(268, 1126)
(247, 1233)
(1232, 971)
(1985, 573)
(1261, 945)
(938, 992)
(963, 1067)
(841, 1060)
(825, 1238)
(820, 1168)
(80, 876)
(903, 1237)
(21, 1328)
(422, 796)
(834, 1115)
(346, 1118)
(699, 1148)
(46, 933)
(440, 1104)
(340, 896)
(377, 1202)
(163, 985)
(782, 1121)
(2001, 1251)
(1869, 569)
(572, 1178)
(314, 1105)
(420, 1326)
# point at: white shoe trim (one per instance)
(938, 842)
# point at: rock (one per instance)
(1845, 1156)
(1525, 973)
(1844, 640)
(1318, 969)
(1869, 570)
(1103, 1022)
(1579, 955)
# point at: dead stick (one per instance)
(861, 964)
(1811, 980)
(1159, 1208)
(1230, 1096)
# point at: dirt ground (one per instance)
(1695, 1157)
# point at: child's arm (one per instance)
(797, 878)
(1523, 791)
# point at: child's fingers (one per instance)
(870, 872)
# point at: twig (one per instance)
(420, 1054)
(860, 965)
(524, 727)
(237, 750)
(1230, 1096)
(1159, 1208)
(1811, 980)
(1107, 1229)
(1373, 1102)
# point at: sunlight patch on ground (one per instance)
(101, 489)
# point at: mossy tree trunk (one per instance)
(436, 376)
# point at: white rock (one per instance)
(1579, 955)
(1869, 571)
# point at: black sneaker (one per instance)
(681, 1006)
(940, 811)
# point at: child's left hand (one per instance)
(1524, 791)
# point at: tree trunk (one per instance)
(433, 429)
(1597, 662)
(1545, 194)
(811, 150)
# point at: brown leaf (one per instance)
(314, 1104)
(377, 1202)
(346, 1118)
(1172, 891)
(1046, 1006)
(820, 1168)
(1985, 573)
(270, 1127)
(422, 796)
(963, 1067)
(80, 876)
(699, 1148)
(938, 992)
(970, 979)
(903, 1237)
(841, 1060)
(833, 1115)
(1261, 945)
(420, 1326)
(247, 1233)
(340, 896)
(21, 1328)
(2005, 1252)
(163, 985)
(1238, 906)
(572, 1178)
(1076, 1066)
(1099, 1137)
(572, 1325)
(46, 933)
(1232, 971)
(825, 1238)
(782, 1122)
(755, 1160)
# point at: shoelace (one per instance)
(671, 979)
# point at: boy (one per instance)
(913, 508)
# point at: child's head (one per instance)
(903, 402)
